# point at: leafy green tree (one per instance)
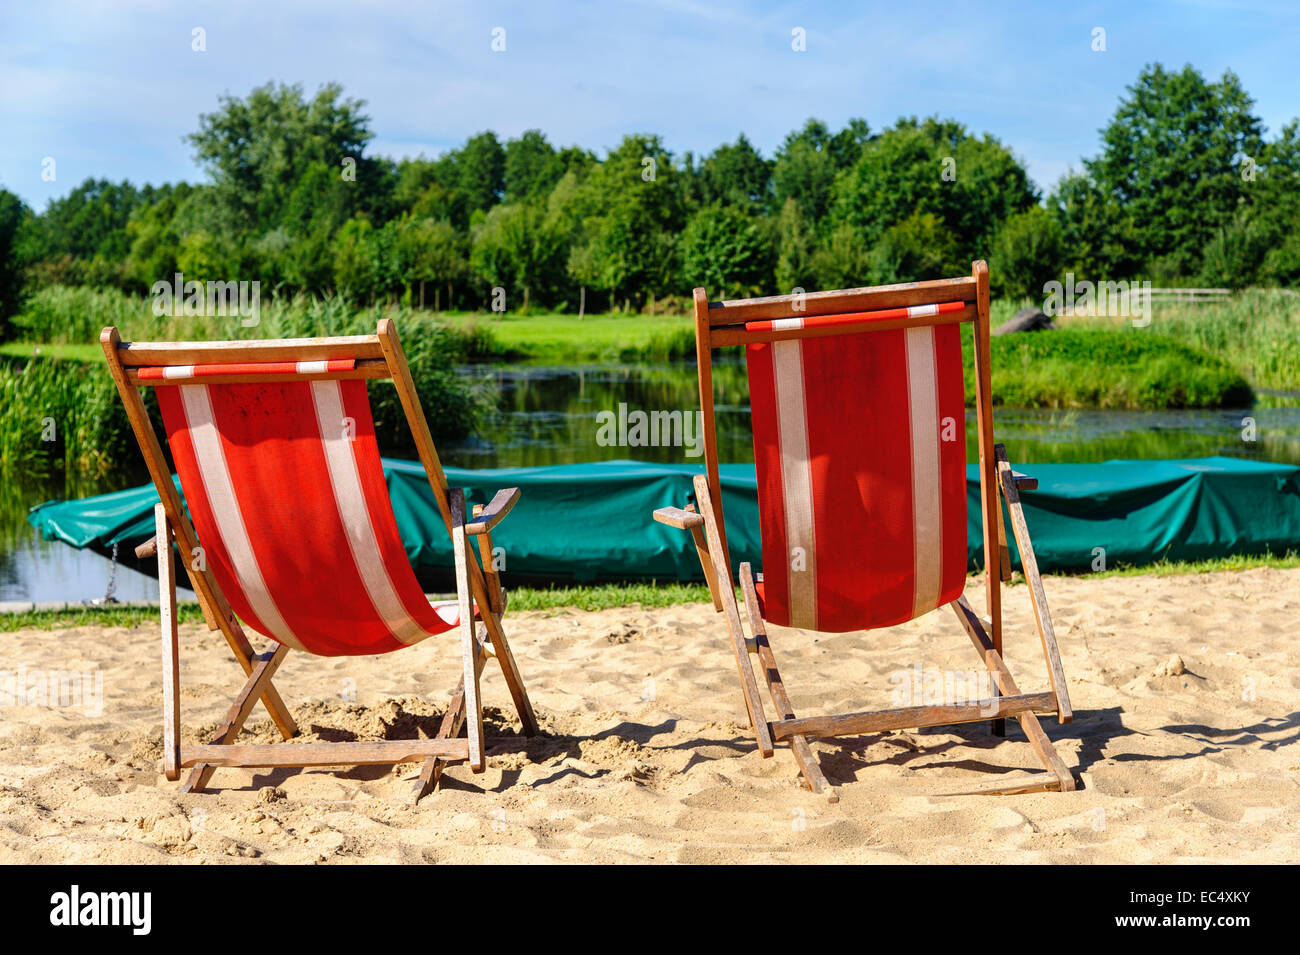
(1027, 254)
(1171, 163)
(13, 216)
(736, 174)
(355, 272)
(1090, 224)
(317, 208)
(1234, 257)
(431, 252)
(970, 184)
(724, 249)
(89, 221)
(899, 175)
(1274, 195)
(586, 267)
(1282, 262)
(842, 259)
(808, 162)
(633, 209)
(796, 247)
(920, 247)
(845, 146)
(426, 187)
(480, 173)
(532, 167)
(257, 150)
(517, 248)
(200, 257)
(321, 197)
(805, 171)
(308, 260)
(155, 237)
(1184, 185)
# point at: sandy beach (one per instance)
(644, 756)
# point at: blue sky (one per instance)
(110, 90)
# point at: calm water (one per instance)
(547, 415)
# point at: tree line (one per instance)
(1185, 187)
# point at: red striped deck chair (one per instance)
(290, 533)
(860, 456)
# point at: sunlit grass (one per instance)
(63, 352)
(603, 596)
(1257, 331)
(561, 338)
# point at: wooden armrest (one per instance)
(496, 509)
(148, 548)
(682, 518)
(1023, 482)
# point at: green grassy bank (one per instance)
(601, 597)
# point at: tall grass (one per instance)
(1105, 368)
(92, 434)
(1257, 331)
(62, 314)
(564, 339)
(58, 416)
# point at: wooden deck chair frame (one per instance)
(722, 324)
(461, 735)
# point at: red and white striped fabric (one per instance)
(284, 485)
(187, 372)
(853, 318)
(860, 450)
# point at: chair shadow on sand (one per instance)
(1095, 729)
(506, 738)
(843, 760)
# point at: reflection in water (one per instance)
(1264, 433)
(35, 570)
(42, 571)
(547, 415)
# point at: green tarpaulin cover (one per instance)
(591, 522)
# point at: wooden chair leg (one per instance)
(706, 561)
(753, 702)
(1042, 746)
(803, 753)
(247, 659)
(469, 646)
(453, 723)
(255, 686)
(998, 727)
(510, 670)
(491, 614)
(1029, 562)
(170, 647)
